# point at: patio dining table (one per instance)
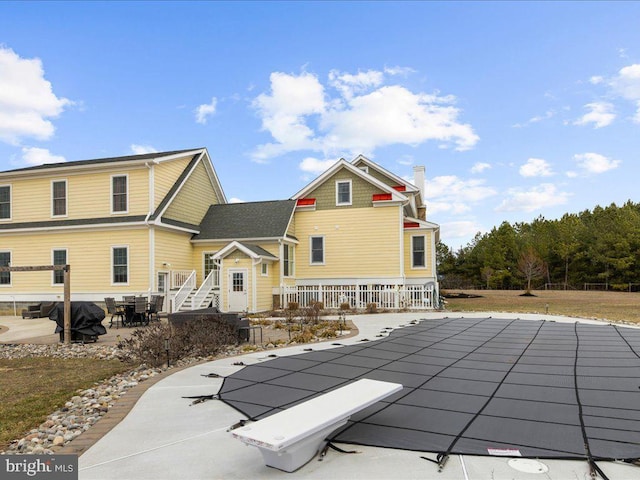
(130, 312)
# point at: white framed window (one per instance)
(287, 260)
(418, 251)
(316, 250)
(120, 265)
(343, 192)
(119, 194)
(5, 261)
(264, 271)
(59, 198)
(5, 202)
(58, 257)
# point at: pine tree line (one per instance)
(591, 249)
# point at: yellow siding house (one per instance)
(160, 224)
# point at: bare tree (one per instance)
(530, 266)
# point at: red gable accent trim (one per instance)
(305, 202)
(400, 188)
(411, 224)
(381, 196)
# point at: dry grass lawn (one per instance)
(32, 388)
(612, 306)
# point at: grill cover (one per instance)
(86, 319)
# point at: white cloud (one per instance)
(348, 84)
(536, 167)
(206, 110)
(459, 230)
(594, 163)
(536, 198)
(480, 167)
(538, 118)
(596, 80)
(27, 101)
(627, 85)
(363, 116)
(283, 113)
(39, 156)
(600, 115)
(235, 200)
(454, 195)
(315, 166)
(142, 149)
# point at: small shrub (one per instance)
(201, 337)
(372, 308)
(311, 314)
(329, 332)
(303, 337)
(345, 306)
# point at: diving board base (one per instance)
(298, 454)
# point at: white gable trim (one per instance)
(235, 245)
(340, 164)
(410, 186)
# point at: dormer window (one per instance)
(343, 192)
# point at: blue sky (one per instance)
(516, 109)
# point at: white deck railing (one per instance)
(394, 297)
(212, 281)
(185, 289)
(179, 277)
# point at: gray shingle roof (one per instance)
(235, 221)
(258, 250)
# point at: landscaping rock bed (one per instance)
(86, 408)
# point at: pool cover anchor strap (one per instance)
(441, 460)
(331, 446)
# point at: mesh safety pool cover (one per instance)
(473, 386)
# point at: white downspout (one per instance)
(152, 236)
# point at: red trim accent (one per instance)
(400, 188)
(305, 202)
(411, 224)
(381, 196)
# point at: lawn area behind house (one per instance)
(614, 306)
(32, 388)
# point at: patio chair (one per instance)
(128, 298)
(115, 311)
(155, 306)
(40, 310)
(140, 311)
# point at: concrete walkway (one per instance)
(163, 437)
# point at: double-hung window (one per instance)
(418, 258)
(59, 258)
(120, 265)
(59, 198)
(343, 192)
(5, 202)
(5, 261)
(317, 250)
(119, 194)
